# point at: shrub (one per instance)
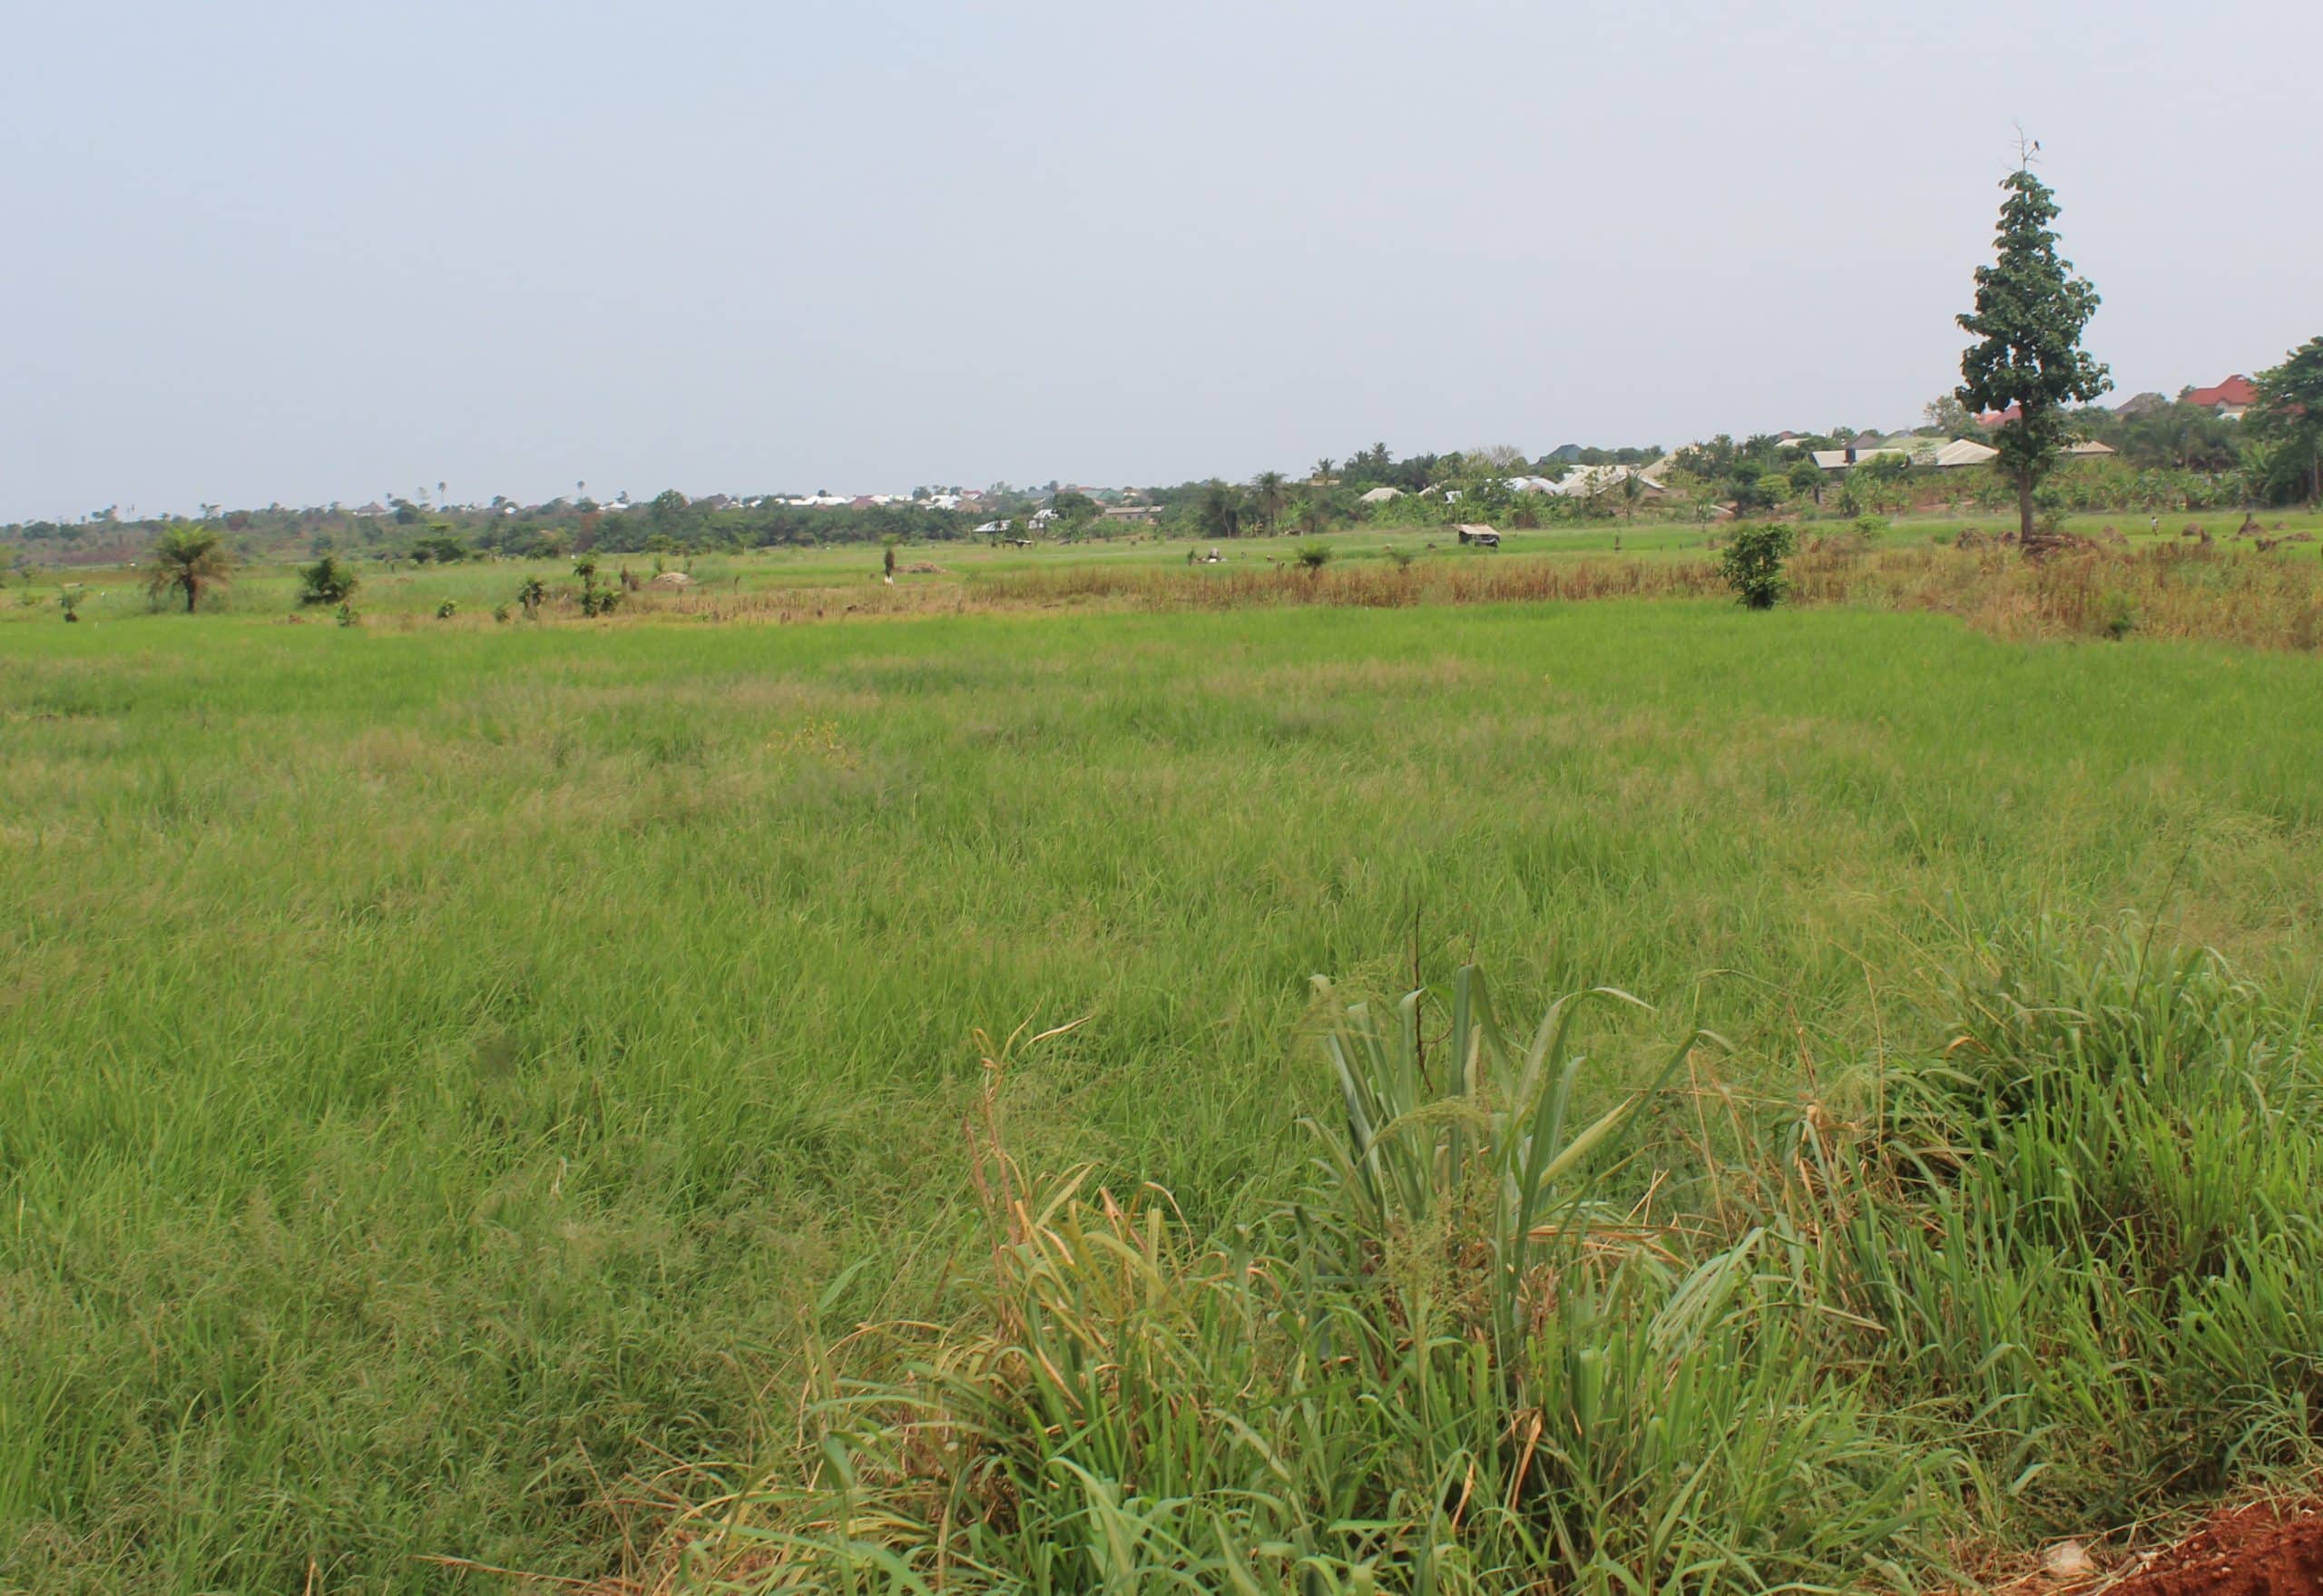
(1314, 557)
(530, 595)
(596, 599)
(448, 609)
(68, 599)
(1752, 565)
(327, 582)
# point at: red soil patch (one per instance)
(2254, 1550)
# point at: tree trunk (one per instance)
(192, 591)
(2027, 539)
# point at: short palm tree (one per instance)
(186, 560)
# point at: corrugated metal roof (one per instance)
(1964, 452)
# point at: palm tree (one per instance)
(1267, 497)
(1323, 469)
(186, 560)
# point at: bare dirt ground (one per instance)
(2261, 1550)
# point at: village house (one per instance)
(2228, 400)
(1586, 482)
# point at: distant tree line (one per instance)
(2169, 456)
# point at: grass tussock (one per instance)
(2066, 1273)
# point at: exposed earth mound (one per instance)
(2257, 1551)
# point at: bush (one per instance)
(448, 609)
(596, 599)
(1752, 565)
(327, 582)
(1314, 557)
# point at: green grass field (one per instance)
(444, 1070)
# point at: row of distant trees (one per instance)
(1327, 496)
(2170, 458)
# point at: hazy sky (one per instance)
(304, 251)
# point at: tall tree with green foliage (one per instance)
(2030, 313)
(1747, 490)
(186, 560)
(1268, 496)
(1806, 479)
(1948, 415)
(2290, 413)
(1219, 512)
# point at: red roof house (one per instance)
(2231, 398)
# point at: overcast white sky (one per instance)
(306, 251)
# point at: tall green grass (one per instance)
(444, 1073)
(2068, 1275)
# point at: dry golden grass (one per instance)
(2270, 600)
